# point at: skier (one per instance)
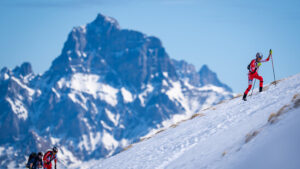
(31, 160)
(36, 161)
(253, 68)
(48, 157)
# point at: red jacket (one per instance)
(254, 65)
(48, 157)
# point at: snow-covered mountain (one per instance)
(261, 133)
(107, 89)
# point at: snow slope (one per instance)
(217, 138)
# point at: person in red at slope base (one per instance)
(48, 157)
(253, 68)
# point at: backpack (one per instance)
(248, 67)
(32, 156)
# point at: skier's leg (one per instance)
(250, 80)
(248, 89)
(261, 82)
(47, 166)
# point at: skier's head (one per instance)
(40, 155)
(55, 150)
(259, 56)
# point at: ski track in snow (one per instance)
(200, 142)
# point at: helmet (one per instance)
(259, 55)
(55, 149)
(40, 155)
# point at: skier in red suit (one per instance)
(253, 68)
(48, 157)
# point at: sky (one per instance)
(225, 35)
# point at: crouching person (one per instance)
(35, 161)
(49, 157)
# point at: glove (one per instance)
(270, 52)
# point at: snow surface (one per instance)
(95, 140)
(18, 108)
(113, 118)
(106, 126)
(77, 97)
(216, 139)
(144, 94)
(56, 93)
(6, 76)
(277, 149)
(83, 28)
(175, 94)
(127, 96)
(54, 141)
(1, 150)
(165, 74)
(64, 156)
(29, 90)
(213, 93)
(89, 84)
(109, 141)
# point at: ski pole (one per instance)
(273, 66)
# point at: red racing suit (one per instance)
(254, 66)
(48, 157)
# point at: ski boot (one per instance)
(244, 97)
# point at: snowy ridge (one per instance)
(222, 134)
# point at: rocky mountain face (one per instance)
(107, 89)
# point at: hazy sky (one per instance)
(224, 34)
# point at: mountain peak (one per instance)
(205, 68)
(24, 69)
(103, 20)
(209, 77)
(4, 70)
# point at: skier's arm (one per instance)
(270, 55)
(266, 59)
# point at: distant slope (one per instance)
(222, 133)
